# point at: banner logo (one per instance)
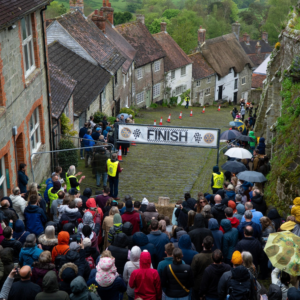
(209, 138)
(126, 132)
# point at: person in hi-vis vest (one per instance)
(71, 179)
(113, 169)
(187, 101)
(217, 179)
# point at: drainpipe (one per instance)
(114, 95)
(152, 81)
(47, 83)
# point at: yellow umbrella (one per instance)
(240, 125)
(283, 250)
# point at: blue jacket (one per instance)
(256, 217)
(159, 240)
(106, 131)
(19, 232)
(35, 218)
(88, 142)
(22, 181)
(230, 195)
(213, 225)
(29, 254)
(230, 238)
(49, 185)
(246, 185)
(185, 244)
(261, 146)
(256, 229)
(240, 212)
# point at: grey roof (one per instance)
(251, 48)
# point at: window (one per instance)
(179, 90)
(66, 110)
(103, 96)
(156, 90)
(198, 82)
(172, 74)
(235, 73)
(133, 89)
(207, 92)
(183, 71)
(116, 78)
(139, 73)
(209, 80)
(243, 95)
(127, 104)
(35, 134)
(129, 71)
(139, 98)
(156, 66)
(27, 44)
(236, 84)
(3, 180)
(243, 80)
(124, 79)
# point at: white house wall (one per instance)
(228, 86)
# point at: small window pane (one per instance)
(31, 123)
(32, 142)
(28, 23)
(24, 35)
(31, 53)
(37, 138)
(26, 57)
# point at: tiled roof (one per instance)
(87, 34)
(251, 48)
(258, 59)
(137, 34)
(91, 79)
(257, 81)
(175, 56)
(225, 52)
(121, 44)
(13, 10)
(62, 87)
(201, 67)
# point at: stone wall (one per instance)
(204, 84)
(255, 95)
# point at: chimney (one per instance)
(258, 48)
(163, 27)
(99, 20)
(265, 37)
(236, 29)
(108, 11)
(201, 35)
(76, 5)
(140, 18)
(246, 38)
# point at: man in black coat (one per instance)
(258, 202)
(9, 242)
(199, 233)
(8, 213)
(218, 209)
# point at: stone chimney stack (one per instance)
(140, 18)
(265, 36)
(201, 35)
(163, 27)
(258, 48)
(246, 38)
(99, 20)
(108, 11)
(76, 4)
(236, 29)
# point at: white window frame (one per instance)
(139, 73)
(140, 97)
(36, 129)
(27, 43)
(173, 75)
(157, 66)
(243, 80)
(180, 90)
(207, 92)
(183, 71)
(3, 180)
(198, 83)
(156, 90)
(208, 79)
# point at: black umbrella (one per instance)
(246, 138)
(230, 135)
(234, 167)
(251, 176)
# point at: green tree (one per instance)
(170, 13)
(155, 25)
(122, 17)
(55, 9)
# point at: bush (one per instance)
(67, 126)
(128, 111)
(173, 101)
(111, 120)
(153, 105)
(67, 158)
(98, 116)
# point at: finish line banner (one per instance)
(169, 135)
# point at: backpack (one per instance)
(91, 262)
(58, 258)
(239, 290)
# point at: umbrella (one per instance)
(239, 153)
(283, 250)
(234, 167)
(239, 124)
(251, 176)
(125, 116)
(246, 138)
(230, 135)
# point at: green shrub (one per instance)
(128, 111)
(67, 158)
(98, 116)
(111, 119)
(173, 101)
(67, 126)
(153, 105)
(165, 103)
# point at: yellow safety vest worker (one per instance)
(52, 196)
(218, 180)
(69, 184)
(187, 99)
(112, 168)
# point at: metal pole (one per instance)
(219, 133)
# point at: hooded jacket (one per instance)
(179, 234)
(261, 146)
(39, 270)
(274, 292)
(115, 229)
(274, 216)
(19, 233)
(8, 263)
(19, 205)
(240, 212)
(35, 219)
(185, 244)
(140, 239)
(87, 193)
(70, 215)
(145, 281)
(150, 212)
(67, 273)
(91, 251)
(213, 226)
(256, 229)
(234, 223)
(197, 235)
(63, 245)
(127, 229)
(218, 212)
(88, 142)
(15, 245)
(144, 205)
(252, 144)
(93, 209)
(80, 290)
(134, 218)
(29, 254)
(230, 239)
(159, 240)
(259, 204)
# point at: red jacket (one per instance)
(134, 218)
(93, 209)
(145, 281)
(234, 223)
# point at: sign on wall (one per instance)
(169, 135)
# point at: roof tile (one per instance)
(257, 80)
(201, 68)
(251, 48)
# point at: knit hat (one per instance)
(117, 219)
(74, 246)
(106, 271)
(230, 187)
(236, 258)
(232, 205)
(86, 242)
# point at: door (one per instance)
(148, 100)
(235, 97)
(201, 98)
(220, 96)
